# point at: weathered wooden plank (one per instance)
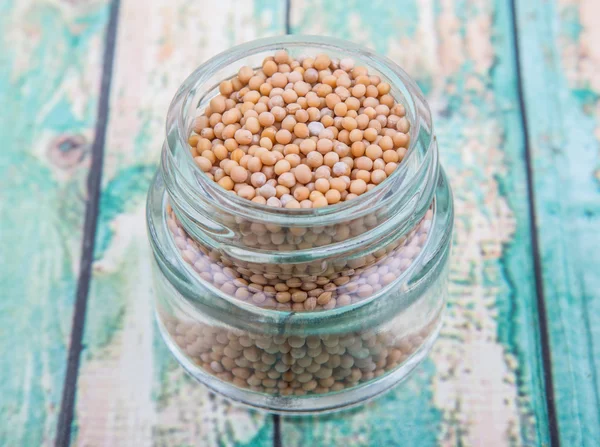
(483, 382)
(130, 390)
(561, 78)
(50, 66)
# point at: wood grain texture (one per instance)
(561, 77)
(50, 67)
(483, 383)
(130, 391)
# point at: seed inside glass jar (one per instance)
(301, 132)
(287, 365)
(265, 304)
(302, 287)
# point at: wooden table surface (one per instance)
(515, 93)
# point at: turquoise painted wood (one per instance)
(561, 75)
(130, 390)
(483, 384)
(50, 66)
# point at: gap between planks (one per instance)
(535, 249)
(65, 418)
(277, 439)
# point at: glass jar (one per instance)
(299, 310)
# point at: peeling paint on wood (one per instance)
(561, 77)
(483, 384)
(50, 66)
(130, 390)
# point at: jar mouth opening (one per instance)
(184, 100)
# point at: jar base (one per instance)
(303, 405)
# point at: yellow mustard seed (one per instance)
(300, 132)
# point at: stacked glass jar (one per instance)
(299, 310)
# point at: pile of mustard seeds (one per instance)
(294, 365)
(301, 132)
(302, 287)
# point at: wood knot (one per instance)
(68, 151)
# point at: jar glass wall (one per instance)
(299, 310)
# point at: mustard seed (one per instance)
(374, 152)
(217, 105)
(203, 163)
(364, 175)
(282, 166)
(400, 139)
(226, 183)
(332, 196)
(243, 136)
(340, 109)
(403, 125)
(287, 179)
(226, 88)
(322, 185)
(237, 155)
(307, 146)
(274, 201)
(349, 123)
(322, 62)
(268, 158)
(363, 163)
(340, 168)
(386, 143)
(390, 167)
(324, 145)
(315, 128)
(258, 179)
(371, 95)
(220, 152)
(267, 191)
(252, 125)
(244, 74)
(247, 192)
(319, 202)
(239, 174)
(303, 174)
(288, 123)
(356, 135)
(347, 64)
(279, 80)
(279, 113)
(314, 159)
(301, 193)
(283, 136)
(331, 158)
(338, 184)
(377, 176)
(357, 149)
(358, 187)
(281, 57)
(342, 149)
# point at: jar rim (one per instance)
(302, 216)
